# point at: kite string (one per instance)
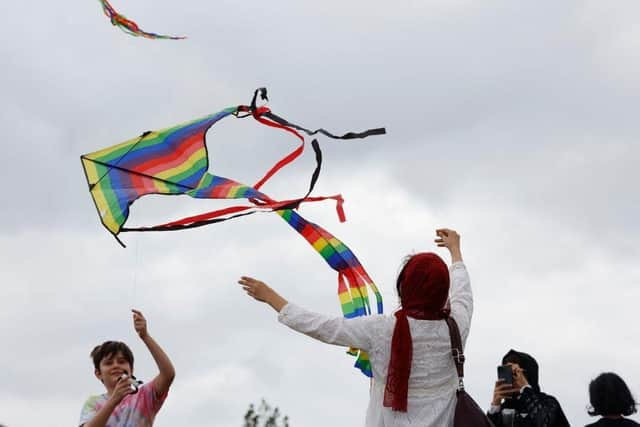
(135, 273)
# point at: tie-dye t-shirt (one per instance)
(135, 410)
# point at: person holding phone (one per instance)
(517, 399)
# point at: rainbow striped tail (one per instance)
(129, 26)
(352, 277)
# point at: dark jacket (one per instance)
(532, 409)
(620, 422)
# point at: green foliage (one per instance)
(264, 416)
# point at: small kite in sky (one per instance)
(129, 26)
(175, 161)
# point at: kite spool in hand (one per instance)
(134, 382)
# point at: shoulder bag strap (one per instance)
(456, 350)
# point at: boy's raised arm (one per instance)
(165, 377)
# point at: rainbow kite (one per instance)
(129, 26)
(175, 161)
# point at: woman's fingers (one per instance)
(247, 287)
(248, 281)
(446, 237)
(443, 232)
(250, 285)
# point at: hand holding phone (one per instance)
(504, 388)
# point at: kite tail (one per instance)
(263, 111)
(129, 26)
(352, 278)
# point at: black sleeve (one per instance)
(543, 410)
(496, 419)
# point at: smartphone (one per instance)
(505, 373)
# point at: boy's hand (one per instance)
(122, 388)
(139, 323)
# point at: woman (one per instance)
(610, 398)
(414, 377)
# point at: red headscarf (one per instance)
(423, 285)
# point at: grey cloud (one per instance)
(513, 123)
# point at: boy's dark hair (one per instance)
(609, 395)
(108, 349)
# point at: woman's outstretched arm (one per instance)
(357, 332)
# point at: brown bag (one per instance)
(468, 413)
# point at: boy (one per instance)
(121, 405)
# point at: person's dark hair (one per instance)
(528, 364)
(609, 395)
(108, 349)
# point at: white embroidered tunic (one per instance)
(433, 380)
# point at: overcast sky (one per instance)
(513, 122)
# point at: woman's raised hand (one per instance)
(449, 239)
